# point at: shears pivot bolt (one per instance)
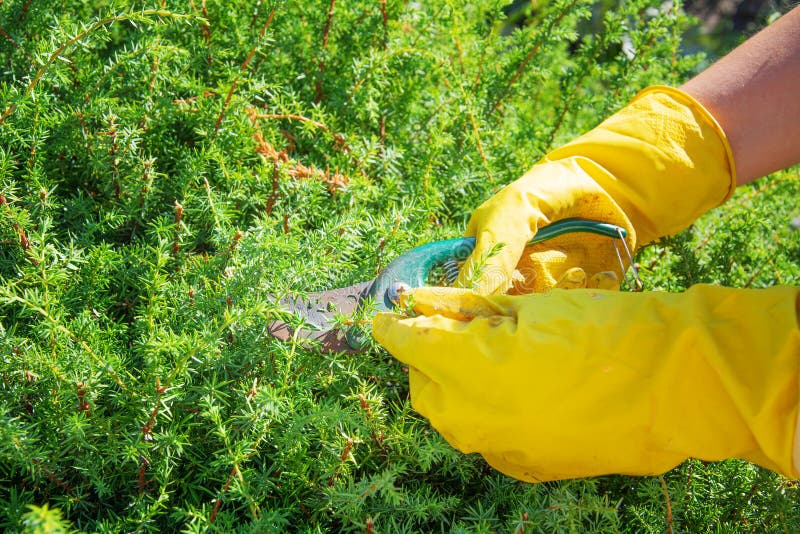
(395, 290)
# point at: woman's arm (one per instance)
(754, 93)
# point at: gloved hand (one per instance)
(589, 382)
(652, 168)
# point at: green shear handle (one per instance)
(412, 268)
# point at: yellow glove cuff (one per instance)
(663, 158)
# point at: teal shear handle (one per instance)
(412, 268)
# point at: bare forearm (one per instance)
(754, 93)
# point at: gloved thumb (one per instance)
(454, 303)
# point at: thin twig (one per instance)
(325, 34)
(668, 503)
(80, 35)
(639, 53)
(476, 133)
(25, 9)
(254, 115)
(61, 328)
(141, 480)
(242, 69)
(459, 49)
(687, 492)
(206, 28)
(153, 73)
(225, 489)
(775, 271)
(486, 47)
(524, 63)
(385, 16)
(50, 475)
(7, 37)
(382, 120)
(754, 276)
(479, 144)
(273, 196)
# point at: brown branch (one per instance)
(176, 245)
(687, 491)
(492, 25)
(147, 429)
(629, 64)
(559, 120)
(32, 156)
(273, 196)
(80, 35)
(254, 115)
(7, 37)
(528, 58)
(153, 72)
(113, 151)
(567, 102)
(52, 477)
(480, 145)
(147, 434)
(242, 69)
(668, 503)
(327, 30)
(775, 271)
(342, 458)
(25, 9)
(225, 489)
(325, 34)
(141, 480)
(385, 16)
(382, 120)
(754, 276)
(206, 27)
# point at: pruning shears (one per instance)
(319, 311)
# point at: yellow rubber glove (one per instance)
(652, 168)
(589, 382)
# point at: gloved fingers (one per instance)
(557, 262)
(436, 345)
(408, 339)
(452, 302)
(575, 278)
(604, 280)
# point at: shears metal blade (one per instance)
(320, 313)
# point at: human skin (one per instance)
(754, 93)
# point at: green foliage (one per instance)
(164, 170)
(43, 520)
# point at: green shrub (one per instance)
(163, 170)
